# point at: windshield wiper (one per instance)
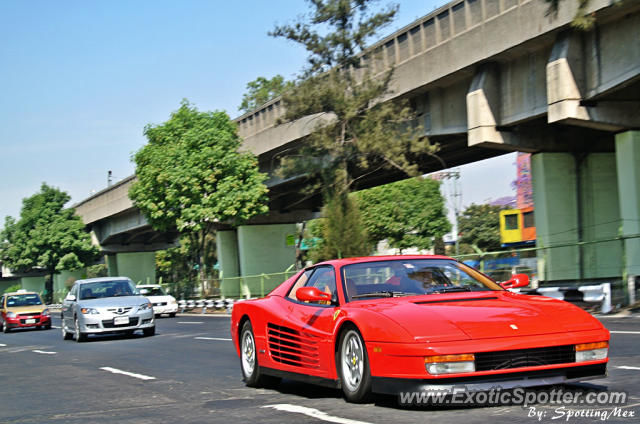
(386, 293)
(452, 290)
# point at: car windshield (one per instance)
(23, 300)
(100, 289)
(405, 277)
(152, 291)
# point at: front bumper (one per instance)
(104, 323)
(165, 309)
(487, 382)
(24, 322)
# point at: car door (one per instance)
(310, 326)
(68, 307)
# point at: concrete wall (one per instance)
(139, 266)
(628, 168)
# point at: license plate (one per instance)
(120, 320)
(30, 321)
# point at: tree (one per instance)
(46, 236)
(582, 19)
(341, 231)
(361, 132)
(409, 213)
(479, 225)
(261, 90)
(192, 176)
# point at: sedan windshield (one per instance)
(23, 300)
(102, 289)
(152, 291)
(412, 277)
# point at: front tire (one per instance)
(353, 367)
(148, 332)
(80, 336)
(249, 360)
(5, 327)
(65, 334)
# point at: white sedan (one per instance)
(162, 302)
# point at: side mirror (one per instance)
(70, 298)
(518, 280)
(312, 294)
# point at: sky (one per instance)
(79, 80)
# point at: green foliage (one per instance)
(479, 225)
(361, 132)
(13, 288)
(192, 176)
(582, 20)
(341, 231)
(261, 90)
(97, 270)
(46, 236)
(409, 213)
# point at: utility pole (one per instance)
(109, 178)
(454, 197)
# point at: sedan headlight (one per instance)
(45, 313)
(89, 311)
(144, 306)
(173, 301)
(450, 364)
(11, 314)
(592, 351)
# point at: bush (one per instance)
(13, 288)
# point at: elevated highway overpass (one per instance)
(486, 77)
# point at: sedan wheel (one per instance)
(5, 327)
(353, 367)
(66, 335)
(80, 336)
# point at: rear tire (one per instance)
(352, 365)
(148, 332)
(249, 361)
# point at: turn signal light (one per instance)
(449, 358)
(591, 346)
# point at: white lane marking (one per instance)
(130, 374)
(44, 352)
(190, 322)
(212, 338)
(2, 345)
(55, 326)
(625, 367)
(625, 332)
(314, 413)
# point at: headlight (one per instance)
(89, 311)
(450, 364)
(592, 351)
(144, 306)
(45, 313)
(173, 301)
(11, 314)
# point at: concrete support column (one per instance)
(227, 250)
(264, 249)
(112, 265)
(555, 196)
(139, 266)
(628, 167)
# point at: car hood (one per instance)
(110, 302)
(36, 309)
(481, 315)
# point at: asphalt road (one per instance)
(189, 373)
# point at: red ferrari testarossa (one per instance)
(388, 324)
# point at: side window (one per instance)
(74, 290)
(324, 279)
(300, 282)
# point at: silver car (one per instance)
(105, 305)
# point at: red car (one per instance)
(388, 324)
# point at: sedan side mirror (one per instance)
(70, 298)
(518, 280)
(312, 294)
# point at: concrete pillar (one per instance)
(555, 196)
(227, 250)
(628, 167)
(112, 265)
(576, 200)
(62, 282)
(265, 249)
(139, 266)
